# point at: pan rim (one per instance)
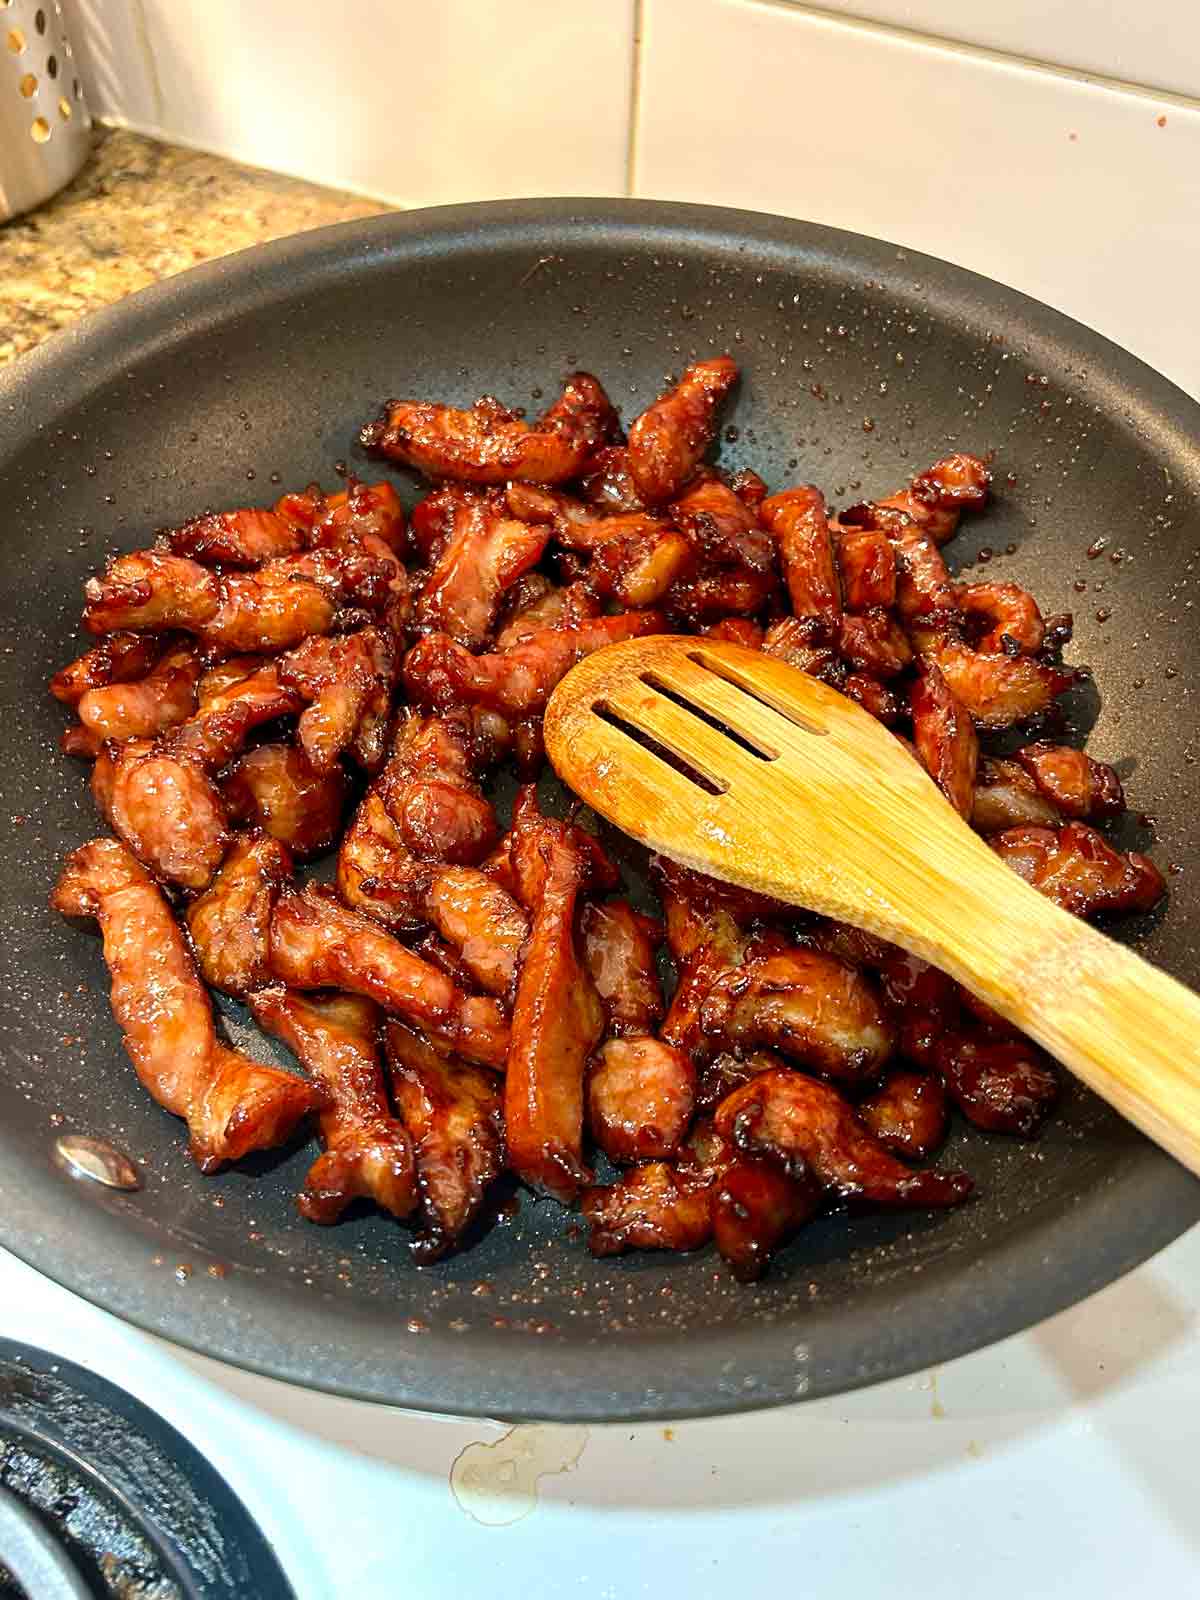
(253, 1324)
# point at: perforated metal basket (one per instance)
(45, 127)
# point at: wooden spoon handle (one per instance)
(1125, 1028)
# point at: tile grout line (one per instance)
(980, 52)
(635, 96)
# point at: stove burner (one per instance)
(100, 1499)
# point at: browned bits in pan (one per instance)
(475, 1002)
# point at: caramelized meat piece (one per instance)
(705, 935)
(274, 788)
(1074, 784)
(669, 438)
(118, 658)
(924, 587)
(653, 1207)
(453, 1112)
(216, 680)
(750, 489)
(805, 1003)
(800, 523)
(1003, 1085)
(736, 630)
(139, 708)
(488, 444)
(800, 642)
(999, 690)
(872, 696)
(907, 1114)
(344, 679)
(715, 594)
(1079, 870)
(368, 1154)
(165, 809)
(547, 606)
(360, 514)
(557, 1016)
(576, 525)
(1007, 797)
(607, 481)
(482, 922)
(1002, 618)
(318, 944)
(945, 738)
(789, 1116)
(874, 643)
(516, 682)
(640, 1096)
(722, 528)
(485, 554)
(219, 730)
(232, 1105)
(230, 923)
(937, 497)
(756, 1207)
(867, 565)
(270, 609)
(619, 946)
(725, 1073)
(244, 538)
(637, 570)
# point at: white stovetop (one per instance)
(1062, 1460)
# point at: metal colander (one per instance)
(45, 126)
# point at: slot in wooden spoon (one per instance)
(739, 765)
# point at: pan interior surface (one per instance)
(861, 364)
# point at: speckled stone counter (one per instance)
(140, 211)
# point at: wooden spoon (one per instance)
(797, 792)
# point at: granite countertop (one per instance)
(140, 211)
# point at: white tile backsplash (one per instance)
(420, 105)
(1078, 194)
(1155, 42)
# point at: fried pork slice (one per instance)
(425, 808)
(557, 1017)
(1007, 797)
(230, 923)
(907, 1113)
(166, 810)
(537, 603)
(243, 538)
(807, 1004)
(736, 630)
(705, 929)
(725, 1073)
(1078, 869)
(141, 707)
(271, 609)
(519, 681)
(316, 943)
(575, 524)
(118, 658)
(866, 564)
(485, 555)
(999, 690)
(640, 1098)
(345, 680)
(274, 788)
(937, 497)
(924, 588)
(231, 1104)
(669, 438)
(452, 1111)
(873, 642)
(1072, 783)
(607, 481)
(721, 527)
(800, 523)
(638, 569)
(1003, 1085)
(368, 1154)
(489, 444)
(698, 599)
(945, 738)
(482, 923)
(233, 669)
(226, 719)
(619, 950)
(652, 1207)
(789, 1115)
(756, 1207)
(359, 513)
(873, 696)
(1001, 618)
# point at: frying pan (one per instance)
(862, 363)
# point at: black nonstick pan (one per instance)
(862, 363)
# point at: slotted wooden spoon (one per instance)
(797, 792)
